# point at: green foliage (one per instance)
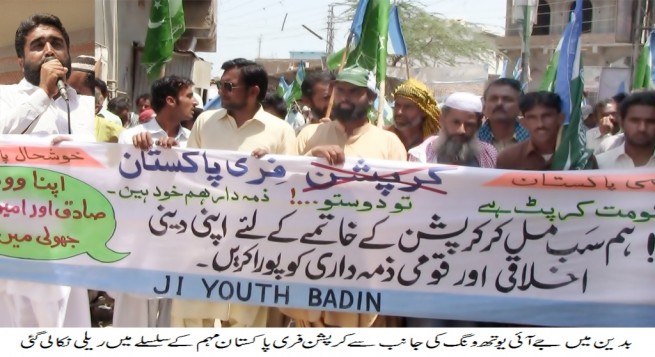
(432, 39)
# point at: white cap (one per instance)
(464, 101)
(198, 99)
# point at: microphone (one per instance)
(60, 83)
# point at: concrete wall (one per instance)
(122, 24)
(76, 16)
(600, 48)
(604, 16)
(131, 19)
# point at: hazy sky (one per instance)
(241, 24)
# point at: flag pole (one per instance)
(407, 65)
(382, 101)
(343, 63)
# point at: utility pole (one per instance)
(259, 50)
(330, 30)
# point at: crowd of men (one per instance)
(503, 129)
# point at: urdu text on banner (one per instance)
(395, 238)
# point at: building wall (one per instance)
(120, 24)
(75, 15)
(604, 16)
(600, 48)
(302, 55)
(120, 35)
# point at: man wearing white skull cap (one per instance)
(457, 142)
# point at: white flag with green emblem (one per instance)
(165, 27)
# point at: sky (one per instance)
(241, 24)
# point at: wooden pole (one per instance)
(343, 63)
(382, 101)
(407, 65)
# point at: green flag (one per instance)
(295, 92)
(571, 153)
(642, 76)
(548, 82)
(525, 34)
(282, 88)
(370, 51)
(165, 27)
(334, 60)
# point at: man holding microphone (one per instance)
(38, 105)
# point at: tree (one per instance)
(432, 39)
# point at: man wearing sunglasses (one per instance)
(241, 125)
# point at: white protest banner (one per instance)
(402, 239)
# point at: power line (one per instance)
(310, 16)
(241, 5)
(259, 49)
(249, 12)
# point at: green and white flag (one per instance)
(529, 17)
(370, 30)
(295, 90)
(548, 82)
(165, 27)
(571, 153)
(643, 78)
(282, 88)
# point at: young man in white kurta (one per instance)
(173, 102)
(35, 106)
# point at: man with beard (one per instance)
(542, 117)
(350, 135)
(241, 125)
(34, 105)
(501, 108)
(315, 90)
(415, 114)
(638, 122)
(457, 142)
